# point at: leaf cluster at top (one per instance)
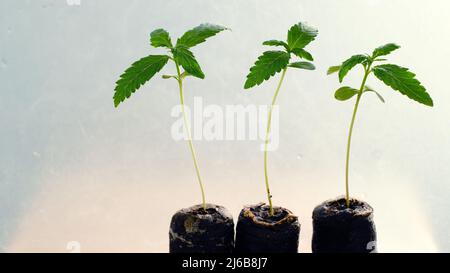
(144, 69)
(273, 61)
(394, 76)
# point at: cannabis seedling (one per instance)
(397, 77)
(274, 61)
(144, 69)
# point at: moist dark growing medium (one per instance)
(194, 230)
(341, 229)
(258, 232)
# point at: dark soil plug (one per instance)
(194, 230)
(258, 232)
(337, 228)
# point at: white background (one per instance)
(73, 168)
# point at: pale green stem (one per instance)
(189, 135)
(266, 143)
(347, 162)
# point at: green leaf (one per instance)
(160, 38)
(303, 65)
(348, 64)
(333, 69)
(166, 77)
(276, 43)
(267, 65)
(384, 50)
(186, 59)
(369, 89)
(301, 35)
(301, 53)
(136, 75)
(404, 81)
(345, 93)
(199, 34)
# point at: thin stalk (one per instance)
(189, 135)
(266, 143)
(352, 123)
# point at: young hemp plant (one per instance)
(275, 61)
(190, 231)
(264, 228)
(397, 77)
(185, 64)
(346, 225)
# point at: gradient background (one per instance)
(73, 168)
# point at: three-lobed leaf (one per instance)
(160, 38)
(267, 65)
(345, 93)
(348, 64)
(184, 57)
(300, 35)
(199, 34)
(384, 50)
(136, 75)
(303, 65)
(404, 81)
